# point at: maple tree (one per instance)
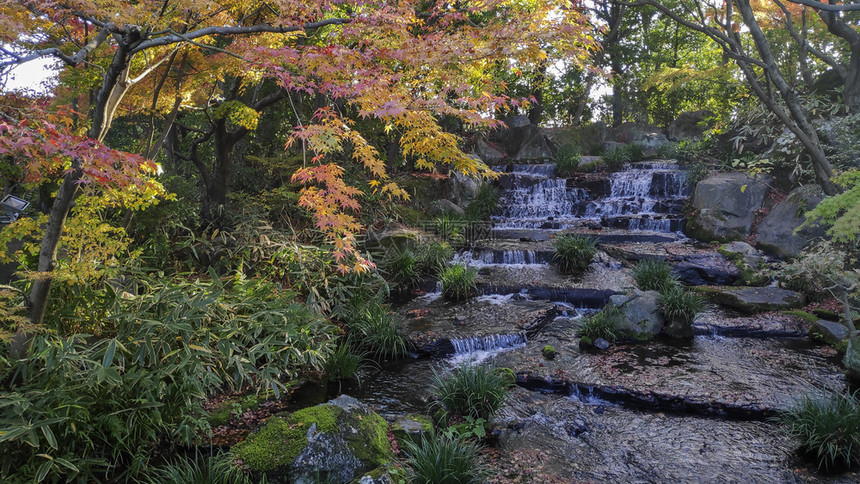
(407, 64)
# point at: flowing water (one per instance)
(662, 411)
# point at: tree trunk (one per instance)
(37, 301)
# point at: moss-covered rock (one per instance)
(548, 352)
(753, 300)
(411, 428)
(339, 441)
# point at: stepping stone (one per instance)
(754, 299)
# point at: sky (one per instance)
(37, 75)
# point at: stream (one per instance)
(661, 411)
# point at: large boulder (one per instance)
(511, 123)
(776, 234)
(689, 125)
(633, 132)
(724, 206)
(829, 332)
(488, 153)
(528, 143)
(640, 316)
(338, 441)
(753, 300)
(444, 207)
(461, 188)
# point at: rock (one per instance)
(601, 344)
(487, 153)
(391, 241)
(640, 315)
(776, 233)
(632, 132)
(688, 125)
(741, 251)
(410, 428)
(828, 332)
(445, 207)
(723, 206)
(340, 440)
(676, 328)
(462, 189)
(528, 143)
(755, 299)
(511, 123)
(852, 360)
(654, 141)
(704, 269)
(612, 145)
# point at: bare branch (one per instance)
(851, 7)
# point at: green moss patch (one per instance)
(810, 318)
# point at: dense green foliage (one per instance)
(573, 253)
(484, 203)
(217, 469)
(434, 257)
(458, 282)
(654, 275)
(567, 160)
(828, 429)
(475, 391)
(97, 407)
(444, 459)
(679, 304)
(376, 332)
(602, 324)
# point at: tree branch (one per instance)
(851, 7)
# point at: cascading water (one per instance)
(647, 196)
(484, 257)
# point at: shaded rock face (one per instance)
(743, 251)
(756, 299)
(462, 189)
(688, 125)
(724, 206)
(641, 317)
(528, 143)
(339, 441)
(828, 332)
(775, 234)
(445, 207)
(702, 269)
(487, 153)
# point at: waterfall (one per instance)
(487, 343)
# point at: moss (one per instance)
(509, 375)
(281, 439)
(370, 443)
(811, 318)
(402, 436)
(749, 276)
(589, 167)
(827, 314)
(548, 352)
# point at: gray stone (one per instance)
(852, 359)
(641, 318)
(724, 206)
(340, 440)
(689, 125)
(829, 331)
(445, 207)
(756, 299)
(601, 344)
(411, 428)
(528, 143)
(487, 153)
(654, 140)
(611, 145)
(743, 251)
(461, 188)
(777, 234)
(704, 269)
(632, 132)
(511, 123)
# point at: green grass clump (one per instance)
(679, 304)
(444, 459)
(667, 151)
(567, 160)
(828, 429)
(344, 362)
(635, 151)
(402, 268)
(614, 159)
(484, 204)
(434, 257)
(375, 331)
(213, 470)
(654, 275)
(574, 252)
(471, 391)
(458, 282)
(602, 324)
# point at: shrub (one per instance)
(98, 407)
(448, 228)
(212, 470)
(601, 324)
(458, 282)
(567, 160)
(344, 362)
(444, 459)
(402, 268)
(484, 204)
(375, 331)
(679, 304)
(654, 275)
(828, 429)
(635, 151)
(667, 151)
(574, 252)
(435, 256)
(471, 391)
(615, 158)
